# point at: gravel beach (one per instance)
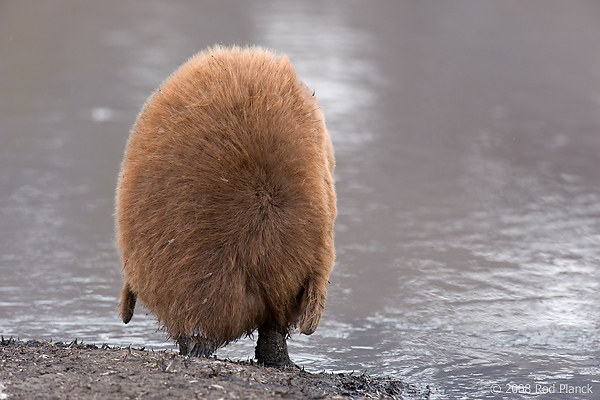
(44, 370)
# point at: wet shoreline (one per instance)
(36, 370)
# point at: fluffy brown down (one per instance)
(225, 202)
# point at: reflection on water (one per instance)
(467, 141)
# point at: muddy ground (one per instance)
(43, 370)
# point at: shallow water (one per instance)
(467, 138)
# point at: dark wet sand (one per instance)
(44, 370)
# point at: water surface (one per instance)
(467, 138)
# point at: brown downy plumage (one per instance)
(226, 203)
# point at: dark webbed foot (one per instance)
(271, 348)
(196, 346)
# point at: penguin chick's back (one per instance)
(225, 203)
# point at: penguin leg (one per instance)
(271, 348)
(196, 346)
